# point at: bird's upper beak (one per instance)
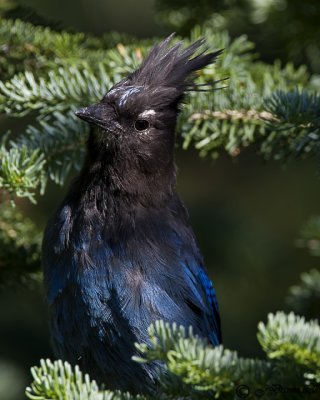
(94, 114)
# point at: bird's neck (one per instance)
(107, 180)
(119, 197)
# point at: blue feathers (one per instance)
(215, 335)
(120, 253)
(204, 294)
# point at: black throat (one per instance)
(118, 184)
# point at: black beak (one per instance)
(92, 114)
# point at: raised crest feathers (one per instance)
(171, 69)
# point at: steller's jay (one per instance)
(119, 252)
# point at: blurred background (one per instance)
(247, 214)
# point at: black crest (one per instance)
(169, 71)
(166, 74)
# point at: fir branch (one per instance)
(51, 150)
(61, 90)
(194, 368)
(304, 298)
(61, 139)
(20, 243)
(296, 126)
(191, 369)
(246, 115)
(58, 380)
(66, 87)
(288, 125)
(21, 171)
(25, 46)
(310, 236)
(239, 118)
(290, 338)
(56, 87)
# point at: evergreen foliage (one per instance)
(46, 74)
(263, 20)
(291, 338)
(192, 369)
(263, 103)
(310, 236)
(304, 298)
(21, 170)
(19, 247)
(28, 48)
(58, 380)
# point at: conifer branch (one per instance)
(192, 369)
(20, 243)
(26, 47)
(295, 129)
(291, 338)
(235, 117)
(46, 75)
(196, 369)
(58, 380)
(246, 115)
(310, 236)
(61, 139)
(61, 90)
(304, 298)
(21, 171)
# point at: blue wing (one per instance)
(215, 337)
(203, 293)
(200, 296)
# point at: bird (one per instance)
(119, 253)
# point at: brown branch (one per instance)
(245, 115)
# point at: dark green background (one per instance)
(246, 213)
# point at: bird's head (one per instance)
(138, 115)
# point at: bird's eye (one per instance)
(141, 125)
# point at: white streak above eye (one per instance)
(128, 92)
(115, 90)
(147, 113)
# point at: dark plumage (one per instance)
(119, 252)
